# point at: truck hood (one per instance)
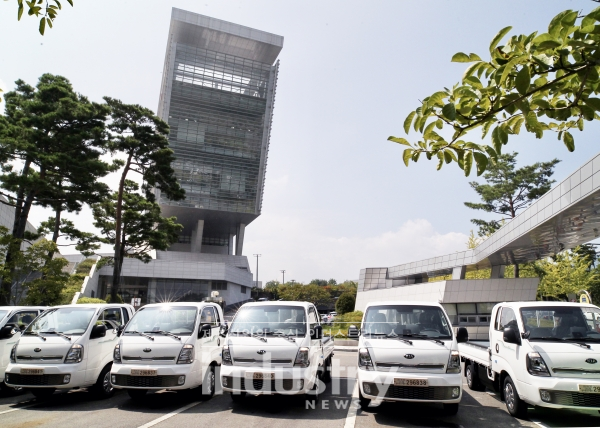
(253, 352)
(35, 350)
(162, 350)
(423, 356)
(570, 360)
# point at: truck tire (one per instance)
(472, 376)
(137, 394)
(208, 385)
(326, 377)
(42, 393)
(450, 409)
(103, 388)
(364, 402)
(515, 406)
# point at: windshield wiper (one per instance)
(33, 333)
(166, 333)
(560, 339)
(393, 335)
(578, 341)
(423, 336)
(285, 336)
(140, 333)
(57, 333)
(254, 335)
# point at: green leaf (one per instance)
(406, 156)
(408, 121)
(523, 80)
(20, 13)
(555, 25)
(399, 141)
(508, 68)
(42, 25)
(580, 124)
(533, 124)
(474, 57)
(437, 99)
(70, 2)
(460, 57)
(58, 4)
(449, 111)
(471, 69)
(467, 163)
(569, 19)
(439, 124)
(593, 103)
(481, 160)
(569, 141)
(428, 130)
(449, 156)
(499, 37)
(440, 156)
(491, 152)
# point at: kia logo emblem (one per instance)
(591, 361)
(409, 356)
(147, 349)
(37, 350)
(261, 352)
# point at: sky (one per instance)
(337, 196)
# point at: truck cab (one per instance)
(407, 352)
(67, 347)
(13, 320)
(276, 348)
(172, 346)
(540, 353)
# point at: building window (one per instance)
(218, 285)
(243, 289)
(474, 313)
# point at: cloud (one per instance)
(291, 243)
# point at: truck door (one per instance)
(20, 320)
(101, 347)
(316, 350)
(208, 345)
(504, 355)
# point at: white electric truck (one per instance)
(276, 348)
(540, 353)
(68, 347)
(407, 352)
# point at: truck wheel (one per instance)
(237, 396)
(103, 388)
(515, 406)
(326, 377)
(364, 402)
(42, 393)
(473, 378)
(136, 394)
(450, 409)
(208, 385)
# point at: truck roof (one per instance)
(544, 303)
(305, 305)
(12, 308)
(93, 305)
(195, 304)
(405, 302)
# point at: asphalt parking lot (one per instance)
(167, 409)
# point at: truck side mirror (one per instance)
(120, 329)
(353, 332)
(7, 331)
(223, 331)
(317, 333)
(462, 335)
(98, 331)
(511, 336)
(204, 331)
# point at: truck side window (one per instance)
(22, 319)
(217, 318)
(112, 317)
(508, 319)
(312, 318)
(208, 316)
(125, 315)
(497, 322)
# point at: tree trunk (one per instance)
(516, 270)
(116, 282)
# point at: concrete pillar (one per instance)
(196, 239)
(230, 249)
(239, 239)
(459, 272)
(498, 271)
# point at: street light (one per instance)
(257, 256)
(283, 272)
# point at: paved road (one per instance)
(78, 409)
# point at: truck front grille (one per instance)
(578, 399)
(146, 381)
(259, 385)
(34, 380)
(411, 392)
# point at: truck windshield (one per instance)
(414, 321)
(72, 321)
(562, 322)
(3, 314)
(179, 320)
(283, 320)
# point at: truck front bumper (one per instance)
(275, 380)
(559, 393)
(441, 388)
(60, 376)
(174, 376)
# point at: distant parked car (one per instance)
(263, 299)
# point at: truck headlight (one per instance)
(75, 354)
(186, 355)
(364, 359)
(13, 354)
(302, 358)
(453, 363)
(226, 356)
(117, 354)
(536, 365)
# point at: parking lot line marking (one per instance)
(539, 423)
(351, 416)
(14, 410)
(169, 415)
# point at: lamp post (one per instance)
(283, 272)
(257, 256)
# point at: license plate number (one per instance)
(135, 372)
(260, 375)
(594, 389)
(32, 371)
(410, 382)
